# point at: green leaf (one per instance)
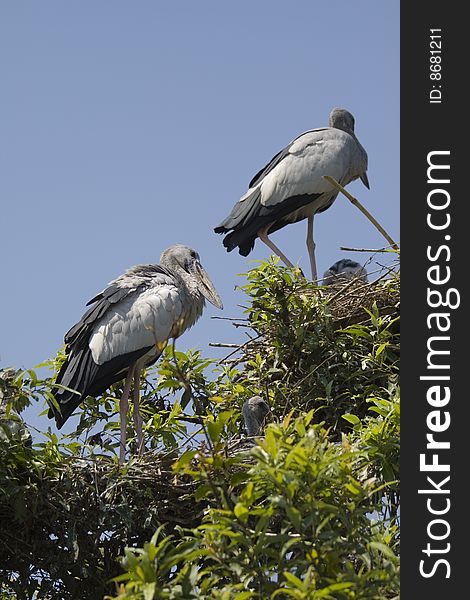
(295, 516)
(352, 488)
(184, 459)
(149, 590)
(354, 419)
(334, 587)
(357, 332)
(270, 442)
(381, 348)
(214, 429)
(238, 478)
(241, 511)
(293, 580)
(383, 549)
(202, 491)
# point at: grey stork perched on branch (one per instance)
(255, 411)
(291, 186)
(127, 328)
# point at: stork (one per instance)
(291, 186)
(254, 411)
(127, 328)
(344, 270)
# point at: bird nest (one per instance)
(353, 301)
(86, 512)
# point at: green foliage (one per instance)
(293, 519)
(303, 360)
(309, 511)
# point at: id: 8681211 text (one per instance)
(435, 66)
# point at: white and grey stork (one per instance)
(126, 329)
(291, 186)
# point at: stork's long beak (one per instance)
(365, 180)
(206, 287)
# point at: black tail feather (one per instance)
(241, 213)
(80, 373)
(76, 373)
(243, 238)
(249, 216)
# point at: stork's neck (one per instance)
(188, 280)
(193, 307)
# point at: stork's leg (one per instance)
(123, 407)
(137, 415)
(311, 248)
(263, 236)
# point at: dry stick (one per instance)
(229, 318)
(237, 349)
(364, 249)
(343, 289)
(363, 210)
(224, 345)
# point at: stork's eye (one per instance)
(189, 261)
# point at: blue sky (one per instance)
(127, 127)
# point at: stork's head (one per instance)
(340, 118)
(343, 271)
(184, 257)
